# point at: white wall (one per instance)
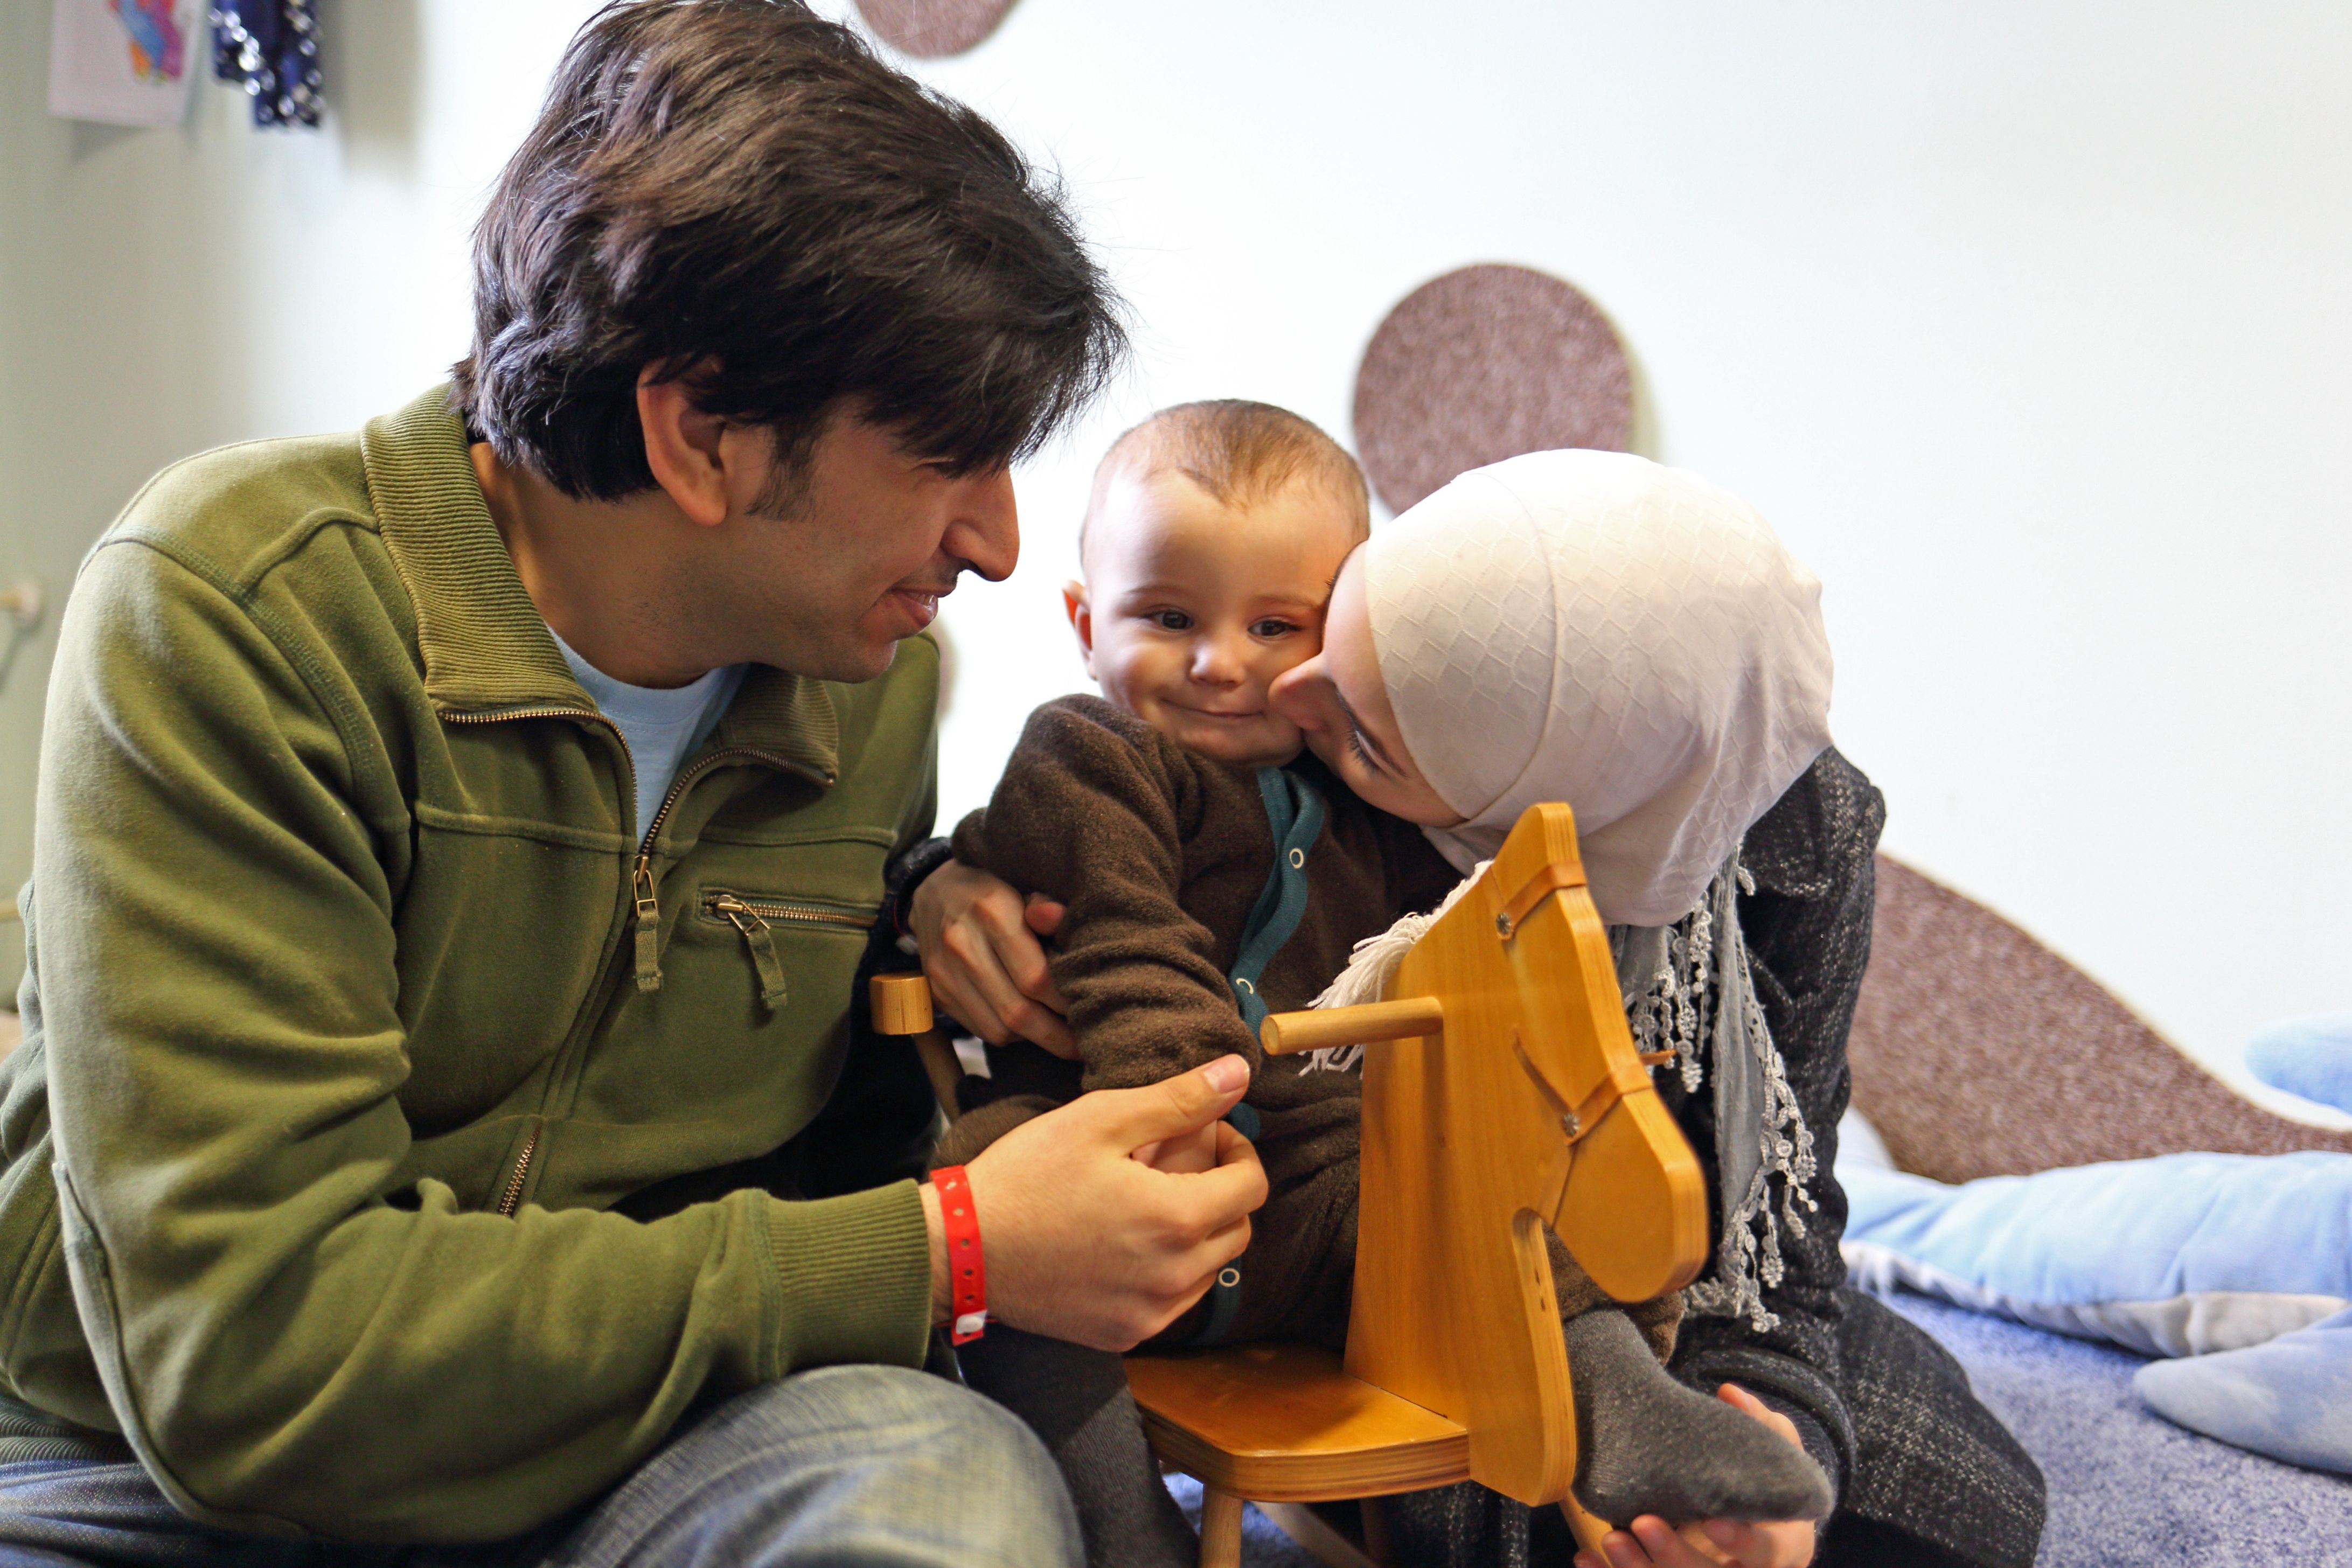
(163, 291)
(2025, 323)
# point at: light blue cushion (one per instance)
(2241, 1263)
(2290, 1399)
(2310, 1057)
(2181, 1255)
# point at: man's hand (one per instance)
(1085, 1243)
(980, 953)
(1187, 1153)
(1712, 1542)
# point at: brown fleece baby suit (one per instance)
(1159, 856)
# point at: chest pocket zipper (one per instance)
(753, 918)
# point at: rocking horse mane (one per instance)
(1372, 963)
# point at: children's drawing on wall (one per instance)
(124, 62)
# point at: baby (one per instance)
(1212, 872)
(1210, 541)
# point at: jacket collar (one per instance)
(485, 645)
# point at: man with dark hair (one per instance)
(442, 1121)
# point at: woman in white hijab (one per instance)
(1590, 627)
(1593, 628)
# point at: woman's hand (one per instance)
(1712, 1542)
(980, 953)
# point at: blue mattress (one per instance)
(2127, 1490)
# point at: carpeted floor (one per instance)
(1263, 1546)
(2127, 1490)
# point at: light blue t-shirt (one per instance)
(661, 726)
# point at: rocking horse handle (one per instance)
(1287, 1034)
(902, 1003)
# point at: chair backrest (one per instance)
(1531, 1107)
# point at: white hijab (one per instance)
(1593, 628)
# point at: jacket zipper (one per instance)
(750, 917)
(641, 879)
(511, 1199)
(645, 896)
(731, 905)
(513, 1195)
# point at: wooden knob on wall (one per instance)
(902, 1003)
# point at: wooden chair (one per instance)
(1503, 1092)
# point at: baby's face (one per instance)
(1338, 702)
(1191, 608)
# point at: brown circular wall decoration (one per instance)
(1483, 364)
(930, 28)
(1976, 1050)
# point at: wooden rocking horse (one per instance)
(1504, 1094)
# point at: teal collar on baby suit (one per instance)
(1293, 810)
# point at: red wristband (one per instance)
(967, 1274)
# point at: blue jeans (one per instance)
(848, 1467)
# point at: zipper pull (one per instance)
(648, 925)
(760, 940)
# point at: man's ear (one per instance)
(1082, 620)
(682, 447)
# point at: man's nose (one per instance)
(984, 528)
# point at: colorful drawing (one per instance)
(159, 50)
(124, 62)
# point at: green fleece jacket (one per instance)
(357, 1016)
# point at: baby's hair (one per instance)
(1239, 452)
